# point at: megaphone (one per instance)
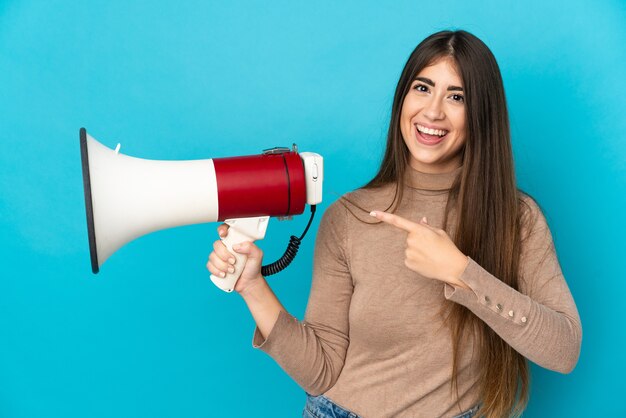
(127, 197)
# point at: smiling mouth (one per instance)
(429, 136)
(431, 132)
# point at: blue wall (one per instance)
(150, 336)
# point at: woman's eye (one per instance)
(421, 87)
(458, 98)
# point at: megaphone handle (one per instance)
(227, 283)
(241, 230)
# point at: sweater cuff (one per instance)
(488, 296)
(279, 332)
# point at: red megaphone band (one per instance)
(260, 185)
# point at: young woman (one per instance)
(429, 305)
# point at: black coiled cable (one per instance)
(290, 252)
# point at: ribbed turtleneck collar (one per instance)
(427, 181)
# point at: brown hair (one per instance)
(489, 206)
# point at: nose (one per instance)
(433, 109)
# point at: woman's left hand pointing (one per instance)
(429, 251)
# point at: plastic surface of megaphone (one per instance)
(127, 197)
(240, 230)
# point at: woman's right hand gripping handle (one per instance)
(262, 302)
(222, 262)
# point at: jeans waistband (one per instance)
(322, 407)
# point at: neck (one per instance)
(417, 179)
(441, 168)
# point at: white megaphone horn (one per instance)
(127, 197)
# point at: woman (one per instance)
(431, 305)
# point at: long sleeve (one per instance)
(540, 321)
(312, 352)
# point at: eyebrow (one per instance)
(432, 84)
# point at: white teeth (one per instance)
(438, 132)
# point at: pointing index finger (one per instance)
(395, 220)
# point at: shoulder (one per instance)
(355, 206)
(532, 218)
(529, 207)
(358, 204)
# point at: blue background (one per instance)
(150, 336)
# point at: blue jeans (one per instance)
(322, 407)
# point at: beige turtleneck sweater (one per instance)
(373, 339)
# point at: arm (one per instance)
(251, 285)
(263, 305)
(540, 321)
(311, 352)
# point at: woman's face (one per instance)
(432, 120)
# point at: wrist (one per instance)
(458, 266)
(254, 288)
(263, 304)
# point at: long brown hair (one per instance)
(486, 199)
